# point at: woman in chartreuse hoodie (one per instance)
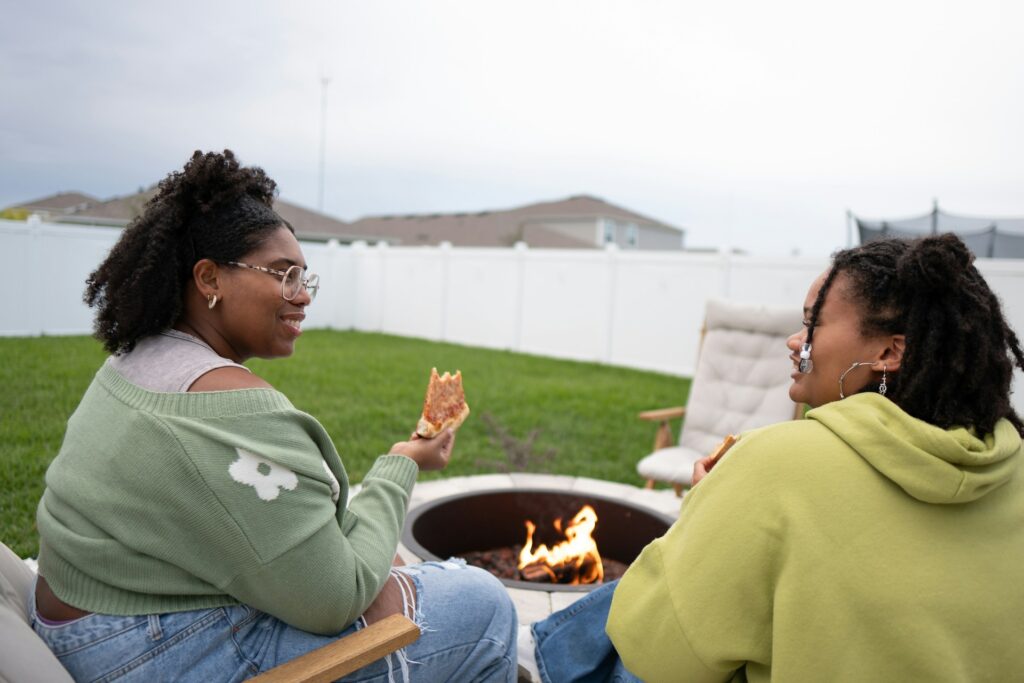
(882, 537)
(879, 539)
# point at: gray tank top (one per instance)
(169, 362)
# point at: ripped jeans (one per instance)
(466, 619)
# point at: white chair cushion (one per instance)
(674, 464)
(23, 656)
(767, 320)
(741, 382)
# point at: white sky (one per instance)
(752, 124)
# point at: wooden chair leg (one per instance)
(663, 438)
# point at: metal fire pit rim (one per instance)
(410, 542)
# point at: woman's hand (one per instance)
(702, 467)
(429, 454)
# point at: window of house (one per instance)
(632, 235)
(609, 231)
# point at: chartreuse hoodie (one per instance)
(859, 544)
(171, 502)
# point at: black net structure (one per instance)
(986, 237)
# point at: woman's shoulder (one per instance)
(786, 446)
(228, 378)
(789, 436)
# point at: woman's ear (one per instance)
(892, 354)
(205, 274)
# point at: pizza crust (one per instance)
(722, 448)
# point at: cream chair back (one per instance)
(742, 377)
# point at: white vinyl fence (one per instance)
(631, 308)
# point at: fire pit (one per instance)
(486, 520)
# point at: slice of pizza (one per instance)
(722, 448)
(444, 406)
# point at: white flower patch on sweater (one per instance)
(268, 478)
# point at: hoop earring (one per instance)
(882, 388)
(847, 372)
(213, 301)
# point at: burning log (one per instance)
(540, 573)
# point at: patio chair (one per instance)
(741, 382)
(25, 658)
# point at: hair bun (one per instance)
(211, 181)
(935, 264)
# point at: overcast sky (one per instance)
(752, 124)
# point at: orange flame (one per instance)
(576, 557)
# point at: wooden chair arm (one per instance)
(662, 414)
(347, 654)
(663, 438)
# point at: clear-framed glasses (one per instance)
(292, 280)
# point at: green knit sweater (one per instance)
(860, 544)
(169, 502)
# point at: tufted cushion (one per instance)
(23, 656)
(674, 464)
(741, 382)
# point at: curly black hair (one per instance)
(214, 208)
(960, 352)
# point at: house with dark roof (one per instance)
(579, 222)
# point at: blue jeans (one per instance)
(572, 647)
(467, 624)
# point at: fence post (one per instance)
(522, 253)
(334, 319)
(612, 251)
(382, 300)
(35, 259)
(445, 253)
(358, 295)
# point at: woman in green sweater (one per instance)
(879, 539)
(195, 525)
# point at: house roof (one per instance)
(119, 211)
(56, 203)
(503, 227)
(531, 223)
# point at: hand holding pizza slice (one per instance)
(704, 465)
(444, 406)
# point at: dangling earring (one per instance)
(847, 372)
(213, 300)
(882, 388)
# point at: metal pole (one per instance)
(935, 216)
(324, 80)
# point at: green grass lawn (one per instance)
(367, 390)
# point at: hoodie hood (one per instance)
(932, 464)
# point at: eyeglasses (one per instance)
(292, 280)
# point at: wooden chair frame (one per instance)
(347, 654)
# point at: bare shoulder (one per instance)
(228, 379)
